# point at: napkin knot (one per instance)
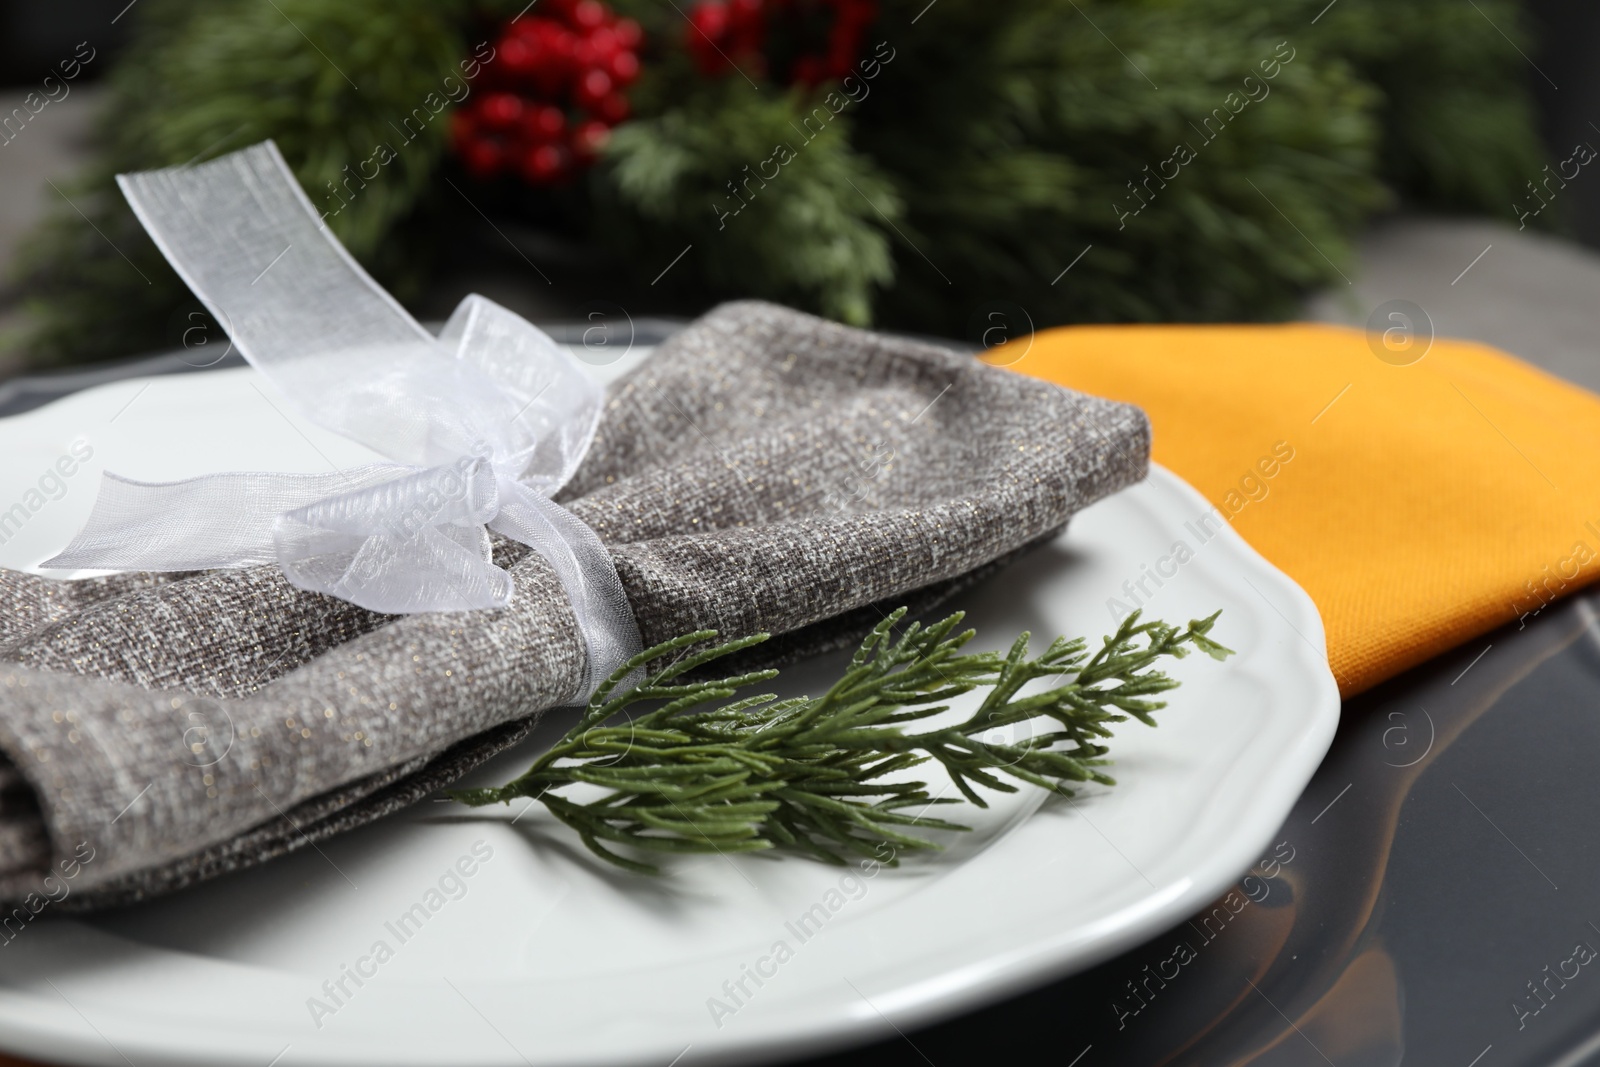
(481, 426)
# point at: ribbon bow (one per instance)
(483, 424)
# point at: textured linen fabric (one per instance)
(764, 470)
(1424, 504)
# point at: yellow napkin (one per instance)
(1420, 504)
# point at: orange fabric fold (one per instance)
(1419, 505)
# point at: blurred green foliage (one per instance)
(992, 145)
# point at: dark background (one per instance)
(36, 33)
(1567, 33)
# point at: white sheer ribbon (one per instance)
(482, 425)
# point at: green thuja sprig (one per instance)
(709, 771)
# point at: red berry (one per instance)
(565, 42)
(589, 139)
(544, 164)
(543, 123)
(535, 33)
(746, 26)
(613, 108)
(500, 110)
(623, 68)
(841, 58)
(592, 88)
(709, 18)
(517, 56)
(553, 49)
(573, 53)
(629, 35)
(483, 157)
(604, 44)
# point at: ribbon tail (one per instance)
(584, 567)
(219, 520)
(242, 234)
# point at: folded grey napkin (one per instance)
(764, 470)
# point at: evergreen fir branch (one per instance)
(202, 79)
(705, 770)
(773, 182)
(998, 144)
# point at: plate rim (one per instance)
(982, 979)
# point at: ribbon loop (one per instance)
(543, 438)
(482, 425)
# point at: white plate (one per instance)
(544, 956)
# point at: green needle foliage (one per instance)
(709, 771)
(993, 145)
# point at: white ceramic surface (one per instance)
(544, 956)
